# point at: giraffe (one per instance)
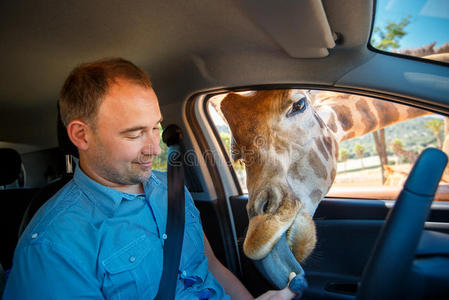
(412, 157)
(289, 141)
(428, 51)
(396, 175)
(399, 151)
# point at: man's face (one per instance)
(126, 136)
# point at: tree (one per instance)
(384, 39)
(436, 126)
(160, 161)
(226, 139)
(381, 148)
(344, 155)
(359, 150)
(389, 36)
(398, 142)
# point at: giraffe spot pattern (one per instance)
(320, 146)
(328, 142)
(294, 172)
(413, 112)
(315, 196)
(344, 116)
(331, 124)
(318, 167)
(367, 115)
(334, 141)
(387, 113)
(333, 174)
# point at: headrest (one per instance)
(10, 165)
(63, 139)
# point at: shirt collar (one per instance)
(106, 198)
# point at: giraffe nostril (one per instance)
(268, 200)
(262, 202)
(265, 207)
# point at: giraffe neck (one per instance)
(350, 116)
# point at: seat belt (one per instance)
(2, 280)
(172, 136)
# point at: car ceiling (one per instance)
(185, 46)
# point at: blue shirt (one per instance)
(93, 242)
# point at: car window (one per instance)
(160, 161)
(361, 171)
(417, 28)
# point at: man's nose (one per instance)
(156, 150)
(151, 146)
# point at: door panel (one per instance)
(346, 231)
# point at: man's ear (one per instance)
(77, 131)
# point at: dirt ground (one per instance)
(367, 184)
(370, 177)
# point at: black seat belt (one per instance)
(172, 136)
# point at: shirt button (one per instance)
(164, 236)
(132, 259)
(184, 273)
(34, 235)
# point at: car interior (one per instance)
(197, 50)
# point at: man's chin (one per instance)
(139, 173)
(144, 175)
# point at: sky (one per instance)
(429, 20)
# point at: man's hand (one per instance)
(295, 287)
(285, 294)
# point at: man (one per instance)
(102, 235)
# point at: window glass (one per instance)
(160, 161)
(225, 135)
(412, 27)
(361, 171)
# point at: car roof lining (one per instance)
(185, 46)
(300, 28)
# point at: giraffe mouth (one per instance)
(290, 220)
(278, 264)
(277, 252)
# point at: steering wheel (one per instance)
(396, 245)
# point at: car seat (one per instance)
(13, 202)
(49, 190)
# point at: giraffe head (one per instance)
(290, 157)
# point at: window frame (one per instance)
(364, 194)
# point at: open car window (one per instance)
(160, 161)
(418, 28)
(373, 165)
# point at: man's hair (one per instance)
(87, 84)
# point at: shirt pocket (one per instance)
(131, 272)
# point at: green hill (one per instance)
(412, 133)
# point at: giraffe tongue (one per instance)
(278, 264)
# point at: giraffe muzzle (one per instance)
(275, 213)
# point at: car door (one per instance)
(349, 218)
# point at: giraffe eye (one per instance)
(297, 107)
